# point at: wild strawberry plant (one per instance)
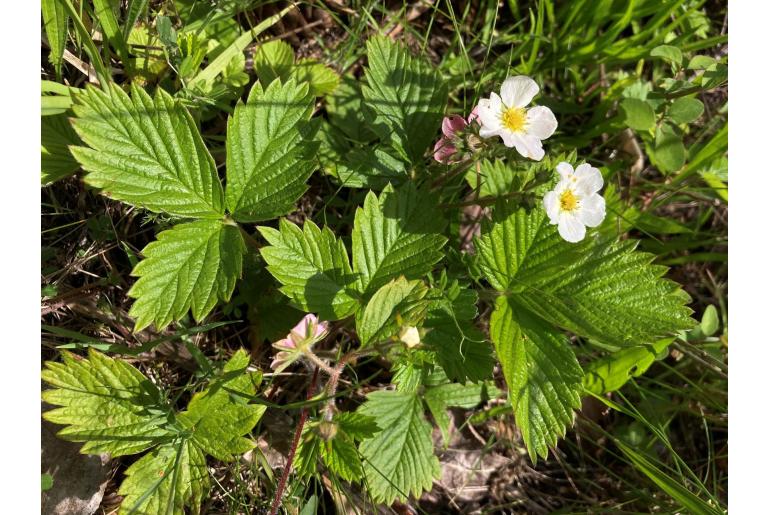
(398, 283)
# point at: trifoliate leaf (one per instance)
(56, 161)
(399, 460)
(398, 233)
(396, 304)
(459, 346)
(104, 402)
(685, 110)
(407, 96)
(166, 480)
(218, 416)
(597, 288)
(269, 157)
(313, 267)
(190, 266)
(542, 373)
(147, 152)
(273, 60)
(639, 114)
(611, 372)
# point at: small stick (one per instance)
(290, 458)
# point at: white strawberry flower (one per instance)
(575, 202)
(506, 115)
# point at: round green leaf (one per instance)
(669, 152)
(669, 53)
(639, 114)
(709, 324)
(685, 110)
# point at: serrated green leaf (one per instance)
(459, 346)
(191, 266)
(313, 267)
(398, 233)
(542, 373)
(105, 403)
(493, 179)
(55, 22)
(356, 425)
(370, 166)
(56, 161)
(147, 152)
(269, 157)
(597, 288)
(685, 110)
(399, 299)
(341, 457)
(346, 112)
(218, 416)
(166, 480)
(639, 114)
(273, 60)
(399, 460)
(611, 372)
(407, 96)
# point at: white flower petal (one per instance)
(551, 205)
(541, 122)
(489, 116)
(571, 229)
(488, 132)
(565, 170)
(518, 91)
(589, 179)
(528, 146)
(592, 210)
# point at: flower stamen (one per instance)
(514, 119)
(568, 201)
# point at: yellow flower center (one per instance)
(514, 118)
(568, 201)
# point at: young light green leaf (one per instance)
(322, 79)
(105, 403)
(341, 457)
(398, 299)
(166, 480)
(398, 233)
(269, 157)
(685, 110)
(56, 161)
(273, 60)
(313, 267)
(399, 460)
(55, 21)
(597, 288)
(219, 415)
(190, 266)
(612, 372)
(639, 114)
(407, 96)
(146, 152)
(542, 373)
(441, 397)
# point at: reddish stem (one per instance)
(290, 458)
